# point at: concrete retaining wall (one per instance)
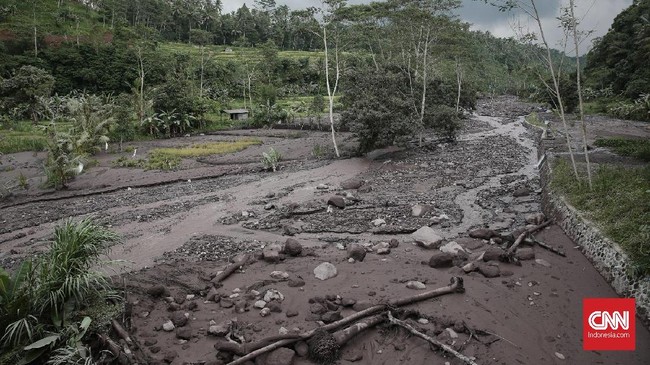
(606, 256)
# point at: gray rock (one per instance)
(483, 233)
(493, 254)
(269, 206)
(259, 304)
(281, 356)
(291, 313)
(275, 307)
(427, 237)
(157, 291)
(296, 282)
(419, 210)
(536, 219)
(348, 302)
(226, 303)
(302, 349)
(330, 317)
(325, 271)
(292, 247)
(489, 271)
(525, 254)
(523, 191)
(168, 326)
(416, 285)
(383, 251)
(352, 184)
(337, 201)
(322, 187)
(393, 243)
(356, 252)
(543, 262)
(452, 248)
(184, 333)
(441, 260)
(468, 268)
(361, 305)
(271, 253)
(179, 318)
(218, 330)
(317, 308)
(379, 222)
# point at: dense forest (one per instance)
(163, 68)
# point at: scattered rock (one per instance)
(279, 275)
(560, 356)
(179, 318)
(322, 187)
(157, 291)
(361, 305)
(272, 295)
(423, 321)
(452, 248)
(523, 191)
(337, 201)
(525, 254)
(291, 313)
(292, 247)
(184, 333)
(356, 252)
(353, 356)
(226, 303)
(348, 302)
(352, 184)
(393, 243)
(168, 326)
(265, 312)
(489, 271)
(259, 304)
(543, 262)
(330, 317)
(416, 285)
(169, 356)
(281, 356)
(468, 268)
(296, 282)
(419, 210)
(325, 271)
(218, 330)
(317, 308)
(383, 251)
(427, 237)
(269, 206)
(451, 333)
(483, 233)
(302, 349)
(441, 260)
(535, 219)
(493, 254)
(379, 222)
(271, 253)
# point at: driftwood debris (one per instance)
(430, 339)
(508, 256)
(549, 247)
(256, 349)
(230, 269)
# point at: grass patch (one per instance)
(207, 149)
(637, 148)
(534, 119)
(619, 204)
(14, 142)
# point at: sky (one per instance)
(596, 16)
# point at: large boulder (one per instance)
(325, 271)
(352, 184)
(271, 253)
(356, 252)
(292, 247)
(337, 201)
(493, 254)
(427, 237)
(441, 260)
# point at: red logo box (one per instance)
(608, 324)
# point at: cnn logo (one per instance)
(608, 324)
(603, 320)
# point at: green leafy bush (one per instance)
(271, 159)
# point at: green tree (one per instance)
(21, 92)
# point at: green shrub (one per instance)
(271, 159)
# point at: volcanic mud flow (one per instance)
(463, 202)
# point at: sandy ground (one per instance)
(180, 227)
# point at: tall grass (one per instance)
(637, 148)
(619, 204)
(207, 149)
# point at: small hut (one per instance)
(236, 114)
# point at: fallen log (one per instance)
(230, 269)
(508, 255)
(549, 247)
(121, 332)
(256, 349)
(430, 339)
